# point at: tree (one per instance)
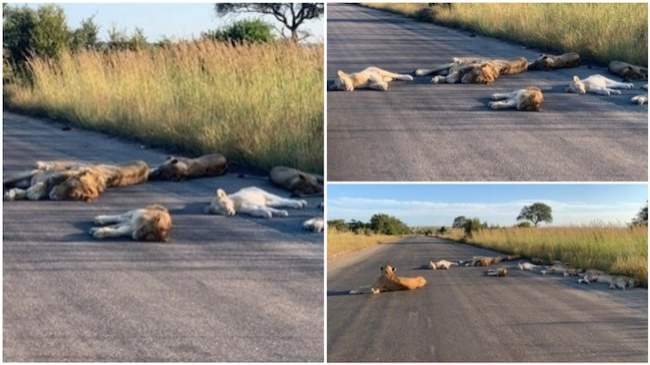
(641, 217)
(291, 15)
(459, 222)
(51, 35)
(337, 224)
(536, 213)
(243, 31)
(85, 37)
(472, 225)
(386, 224)
(442, 230)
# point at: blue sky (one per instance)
(176, 21)
(433, 204)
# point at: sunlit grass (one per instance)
(260, 105)
(345, 242)
(616, 250)
(602, 32)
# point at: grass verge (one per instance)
(260, 105)
(339, 243)
(616, 250)
(601, 32)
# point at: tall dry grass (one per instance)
(616, 250)
(602, 32)
(261, 105)
(339, 243)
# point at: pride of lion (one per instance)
(389, 281)
(84, 181)
(481, 70)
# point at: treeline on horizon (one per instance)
(529, 217)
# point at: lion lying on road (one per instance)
(316, 224)
(597, 84)
(614, 282)
(152, 223)
(628, 71)
(640, 99)
(389, 281)
(472, 70)
(551, 62)
(181, 168)
(65, 180)
(441, 265)
(528, 99)
(253, 201)
(370, 78)
(299, 183)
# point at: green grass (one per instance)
(260, 105)
(600, 32)
(616, 250)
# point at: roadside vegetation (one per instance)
(617, 250)
(241, 91)
(601, 32)
(345, 237)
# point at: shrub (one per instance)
(244, 31)
(472, 225)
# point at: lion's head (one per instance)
(486, 74)
(343, 82)
(532, 99)
(156, 226)
(87, 185)
(224, 204)
(174, 168)
(306, 184)
(388, 270)
(576, 86)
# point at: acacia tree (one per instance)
(536, 213)
(459, 222)
(291, 15)
(641, 217)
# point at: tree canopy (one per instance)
(536, 213)
(291, 15)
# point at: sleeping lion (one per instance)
(152, 223)
(473, 70)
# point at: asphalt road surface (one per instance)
(224, 289)
(463, 316)
(418, 131)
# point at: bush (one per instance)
(472, 225)
(524, 225)
(442, 230)
(386, 224)
(244, 31)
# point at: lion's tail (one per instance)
(404, 77)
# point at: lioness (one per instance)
(527, 266)
(370, 78)
(640, 99)
(486, 260)
(596, 84)
(528, 99)
(628, 71)
(181, 168)
(315, 224)
(553, 62)
(65, 180)
(499, 272)
(389, 281)
(253, 201)
(441, 265)
(152, 223)
(472, 70)
(299, 183)
(614, 282)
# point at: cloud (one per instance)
(416, 212)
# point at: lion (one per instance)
(528, 99)
(499, 272)
(597, 84)
(252, 201)
(441, 265)
(182, 168)
(152, 223)
(473, 70)
(614, 282)
(548, 62)
(628, 71)
(389, 281)
(316, 224)
(527, 266)
(373, 78)
(485, 260)
(66, 180)
(640, 99)
(299, 183)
